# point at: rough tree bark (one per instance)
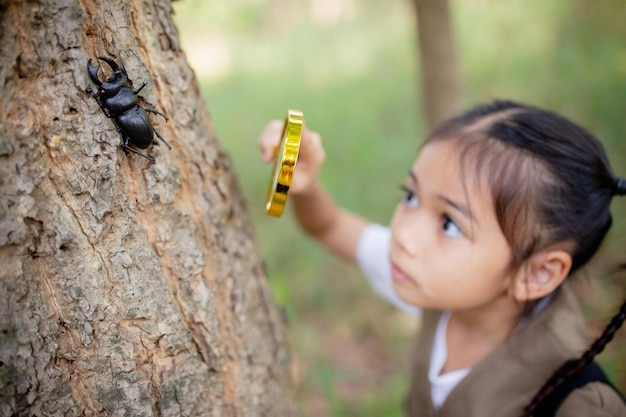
(126, 288)
(441, 80)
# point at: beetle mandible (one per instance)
(119, 102)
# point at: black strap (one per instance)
(591, 373)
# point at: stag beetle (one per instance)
(119, 102)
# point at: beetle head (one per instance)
(113, 84)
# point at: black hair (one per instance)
(551, 183)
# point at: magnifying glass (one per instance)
(285, 158)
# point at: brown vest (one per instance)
(505, 381)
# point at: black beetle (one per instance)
(119, 102)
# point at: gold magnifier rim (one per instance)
(285, 159)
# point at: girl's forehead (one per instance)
(435, 156)
(442, 167)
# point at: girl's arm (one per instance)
(313, 208)
(319, 216)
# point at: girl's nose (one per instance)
(405, 233)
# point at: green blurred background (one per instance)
(352, 67)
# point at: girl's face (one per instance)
(447, 249)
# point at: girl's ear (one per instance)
(541, 275)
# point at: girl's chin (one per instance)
(407, 292)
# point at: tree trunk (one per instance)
(127, 288)
(440, 70)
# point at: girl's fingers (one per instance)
(312, 148)
(269, 139)
(311, 156)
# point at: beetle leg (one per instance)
(127, 147)
(157, 112)
(104, 109)
(140, 88)
(162, 140)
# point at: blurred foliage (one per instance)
(352, 67)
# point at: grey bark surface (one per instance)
(441, 79)
(126, 288)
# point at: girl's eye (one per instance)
(450, 228)
(410, 199)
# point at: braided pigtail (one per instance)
(571, 368)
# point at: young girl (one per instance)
(502, 205)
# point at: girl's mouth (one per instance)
(400, 276)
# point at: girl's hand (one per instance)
(310, 157)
